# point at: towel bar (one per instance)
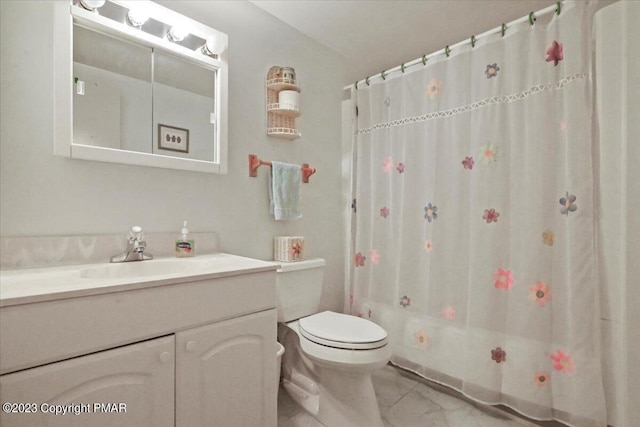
(255, 163)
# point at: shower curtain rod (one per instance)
(447, 50)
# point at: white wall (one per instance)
(45, 195)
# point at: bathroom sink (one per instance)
(136, 269)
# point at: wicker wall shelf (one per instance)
(281, 116)
(282, 84)
(286, 109)
(285, 133)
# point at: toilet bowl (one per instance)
(329, 357)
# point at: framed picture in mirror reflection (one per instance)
(173, 139)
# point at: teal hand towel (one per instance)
(285, 191)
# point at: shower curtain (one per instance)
(473, 218)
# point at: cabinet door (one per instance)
(131, 386)
(226, 373)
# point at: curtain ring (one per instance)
(402, 67)
(447, 51)
(532, 18)
(559, 8)
(504, 29)
(384, 77)
(424, 59)
(367, 81)
(473, 41)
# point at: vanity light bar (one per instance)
(156, 25)
(91, 4)
(137, 17)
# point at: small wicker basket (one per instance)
(288, 248)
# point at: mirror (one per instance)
(140, 95)
(112, 103)
(183, 96)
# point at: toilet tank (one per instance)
(299, 288)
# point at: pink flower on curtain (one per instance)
(498, 355)
(384, 212)
(490, 215)
(387, 164)
(554, 53)
(405, 301)
(563, 125)
(434, 88)
(428, 246)
(541, 378)
(568, 204)
(360, 260)
(448, 313)
(503, 279)
(400, 167)
(563, 362)
(548, 237)
(489, 153)
(375, 257)
(422, 339)
(539, 293)
(468, 163)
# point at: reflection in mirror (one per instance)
(183, 107)
(112, 100)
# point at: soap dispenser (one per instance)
(184, 246)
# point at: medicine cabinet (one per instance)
(137, 83)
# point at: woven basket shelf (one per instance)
(280, 120)
(284, 109)
(282, 84)
(285, 133)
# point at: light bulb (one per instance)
(137, 17)
(177, 34)
(92, 4)
(213, 46)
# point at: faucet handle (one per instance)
(135, 233)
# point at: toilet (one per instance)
(329, 357)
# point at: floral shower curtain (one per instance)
(473, 218)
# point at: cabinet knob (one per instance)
(191, 345)
(165, 356)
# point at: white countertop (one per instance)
(32, 285)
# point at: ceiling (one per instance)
(376, 35)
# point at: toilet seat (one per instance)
(342, 331)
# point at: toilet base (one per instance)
(335, 394)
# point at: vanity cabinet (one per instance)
(226, 372)
(128, 386)
(187, 352)
(224, 376)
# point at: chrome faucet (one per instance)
(135, 248)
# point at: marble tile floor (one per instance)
(405, 400)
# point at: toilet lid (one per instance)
(342, 331)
